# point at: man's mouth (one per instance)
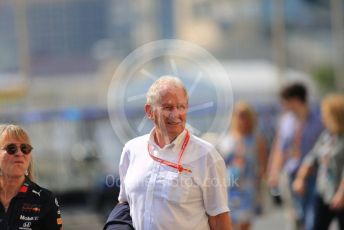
(174, 122)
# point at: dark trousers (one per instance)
(324, 215)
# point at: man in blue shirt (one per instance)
(299, 129)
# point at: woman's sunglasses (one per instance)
(13, 148)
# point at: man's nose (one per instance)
(175, 112)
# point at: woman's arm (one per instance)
(338, 199)
(275, 164)
(307, 165)
(299, 182)
(262, 156)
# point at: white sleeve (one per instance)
(214, 187)
(123, 167)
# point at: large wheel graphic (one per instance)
(208, 84)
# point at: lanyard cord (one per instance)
(177, 166)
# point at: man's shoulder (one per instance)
(287, 119)
(315, 115)
(137, 141)
(201, 143)
(287, 126)
(203, 148)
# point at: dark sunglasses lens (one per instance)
(11, 149)
(26, 149)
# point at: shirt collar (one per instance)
(174, 145)
(25, 187)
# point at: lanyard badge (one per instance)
(178, 165)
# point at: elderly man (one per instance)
(171, 178)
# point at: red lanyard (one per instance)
(177, 166)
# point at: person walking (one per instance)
(298, 131)
(245, 154)
(328, 154)
(170, 178)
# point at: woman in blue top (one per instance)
(244, 151)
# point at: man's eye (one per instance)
(181, 107)
(169, 108)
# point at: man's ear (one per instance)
(149, 111)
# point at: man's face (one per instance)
(170, 112)
(289, 105)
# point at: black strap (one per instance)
(115, 222)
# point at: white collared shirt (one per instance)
(161, 198)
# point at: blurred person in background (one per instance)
(298, 131)
(245, 153)
(285, 119)
(328, 154)
(171, 178)
(23, 203)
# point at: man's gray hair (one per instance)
(153, 94)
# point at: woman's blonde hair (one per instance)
(249, 111)
(18, 133)
(332, 108)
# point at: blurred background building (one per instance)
(57, 58)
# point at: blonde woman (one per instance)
(23, 203)
(328, 154)
(244, 151)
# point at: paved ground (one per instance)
(275, 219)
(81, 218)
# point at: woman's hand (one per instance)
(337, 201)
(273, 180)
(299, 186)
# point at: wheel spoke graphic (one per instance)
(194, 84)
(142, 124)
(201, 106)
(193, 129)
(148, 74)
(136, 97)
(174, 67)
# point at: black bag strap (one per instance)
(119, 218)
(116, 222)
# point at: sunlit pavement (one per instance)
(81, 218)
(275, 219)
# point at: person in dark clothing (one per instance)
(119, 218)
(23, 203)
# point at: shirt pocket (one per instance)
(175, 186)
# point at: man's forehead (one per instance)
(170, 87)
(168, 96)
(173, 102)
